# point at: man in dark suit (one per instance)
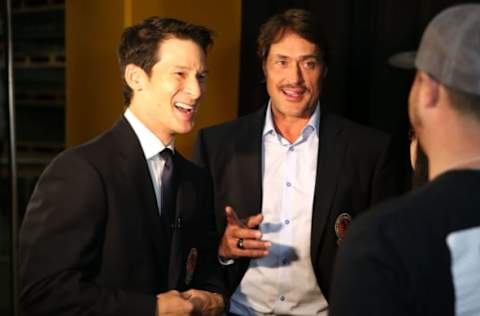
(296, 174)
(118, 226)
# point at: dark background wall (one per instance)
(361, 36)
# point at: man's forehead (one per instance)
(179, 55)
(172, 41)
(282, 53)
(281, 35)
(286, 41)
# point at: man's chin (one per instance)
(184, 128)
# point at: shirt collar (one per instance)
(312, 125)
(151, 144)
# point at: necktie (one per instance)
(167, 212)
(168, 184)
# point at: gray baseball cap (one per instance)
(450, 48)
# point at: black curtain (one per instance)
(361, 36)
(5, 178)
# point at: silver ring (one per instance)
(240, 243)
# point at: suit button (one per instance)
(289, 184)
(291, 148)
(287, 222)
(282, 298)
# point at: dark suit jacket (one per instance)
(353, 172)
(90, 243)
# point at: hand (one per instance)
(205, 303)
(172, 303)
(253, 246)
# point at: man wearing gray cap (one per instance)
(419, 254)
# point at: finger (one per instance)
(174, 292)
(228, 248)
(251, 253)
(254, 221)
(252, 244)
(245, 233)
(187, 294)
(232, 217)
(197, 303)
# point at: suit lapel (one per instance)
(249, 153)
(331, 148)
(133, 169)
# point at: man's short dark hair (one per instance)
(298, 21)
(139, 43)
(464, 102)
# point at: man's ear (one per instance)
(432, 89)
(135, 77)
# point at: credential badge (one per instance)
(341, 224)
(190, 265)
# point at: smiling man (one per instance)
(123, 225)
(296, 174)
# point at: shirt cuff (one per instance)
(224, 261)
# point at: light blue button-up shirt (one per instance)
(284, 282)
(151, 146)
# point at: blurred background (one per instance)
(65, 88)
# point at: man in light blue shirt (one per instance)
(295, 174)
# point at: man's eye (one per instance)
(180, 74)
(281, 62)
(310, 64)
(202, 77)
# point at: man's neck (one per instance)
(459, 148)
(149, 122)
(290, 127)
(464, 161)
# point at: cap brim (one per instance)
(403, 60)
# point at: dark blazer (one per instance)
(90, 243)
(354, 170)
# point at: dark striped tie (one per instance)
(167, 212)
(168, 187)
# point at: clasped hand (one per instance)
(189, 303)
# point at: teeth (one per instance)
(292, 93)
(184, 106)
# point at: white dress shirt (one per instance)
(284, 283)
(151, 146)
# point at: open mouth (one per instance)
(293, 93)
(185, 108)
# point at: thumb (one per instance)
(254, 221)
(187, 294)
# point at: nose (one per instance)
(295, 74)
(194, 88)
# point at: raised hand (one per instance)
(242, 237)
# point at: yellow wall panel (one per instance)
(93, 85)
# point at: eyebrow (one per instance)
(304, 57)
(203, 71)
(181, 67)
